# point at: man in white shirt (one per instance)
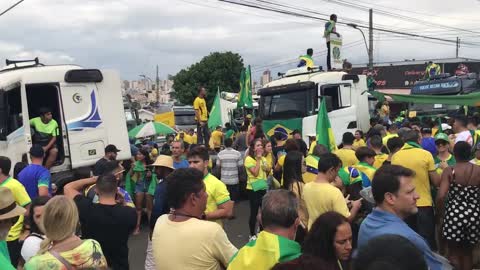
(229, 160)
(461, 130)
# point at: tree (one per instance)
(217, 70)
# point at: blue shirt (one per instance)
(380, 222)
(429, 145)
(181, 164)
(34, 176)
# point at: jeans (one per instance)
(234, 191)
(203, 134)
(329, 63)
(423, 223)
(255, 198)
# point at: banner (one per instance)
(215, 118)
(167, 118)
(324, 129)
(472, 99)
(336, 52)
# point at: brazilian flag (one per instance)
(215, 118)
(264, 252)
(324, 129)
(245, 98)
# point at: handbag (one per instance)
(260, 184)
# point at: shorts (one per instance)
(141, 186)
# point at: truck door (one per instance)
(86, 135)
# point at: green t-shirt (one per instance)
(51, 128)
(229, 134)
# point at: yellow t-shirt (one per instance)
(205, 245)
(200, 104)
(217, 138)
(358, 143)
(194, 139)
(321, 198)
(379, 159)
(421, 162)
(312, 146)
(251, 163)
(347, 156)
(217, 194)
(312, 169)
(22, 199)
(388, 137)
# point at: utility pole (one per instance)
(458, 47)
(370, 39)
(158, 88)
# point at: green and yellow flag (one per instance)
(324, 129)
(265, 252)
(215, 118)
(245, 98)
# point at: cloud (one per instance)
(134, 36)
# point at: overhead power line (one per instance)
(291, 13)
(11, 7)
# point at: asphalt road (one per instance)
(237, 231)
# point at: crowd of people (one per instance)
(403, 195)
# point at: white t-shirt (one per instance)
(464, 136)
(31, 246)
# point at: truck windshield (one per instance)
(295, 104)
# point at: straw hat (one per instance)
(8, 206)
(164, 161)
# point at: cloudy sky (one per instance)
(133, 36)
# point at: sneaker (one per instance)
(252, 238)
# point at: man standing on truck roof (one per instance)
(46, 132)
(330, 29)
(201, 116)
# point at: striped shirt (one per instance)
(229, 160)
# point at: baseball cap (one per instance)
(442, 136)
(249, 116)
(44, 110)
(111, 148)
(446, 126)
(37, 151)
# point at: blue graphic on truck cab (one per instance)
(93, 119)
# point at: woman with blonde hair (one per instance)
(61, 248)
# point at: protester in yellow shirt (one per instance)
(347, 154)
(201, 116)
(366, 156)
(413, 157)
(21, 198)
(321, 196)
(376, 145)
(219, 205)
(257, 169)
(312, 163)
(217, 138)
(359, 140)
(392, 133)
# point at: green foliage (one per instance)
(213, 71)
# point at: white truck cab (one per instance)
(86, 103)
(292, 102)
